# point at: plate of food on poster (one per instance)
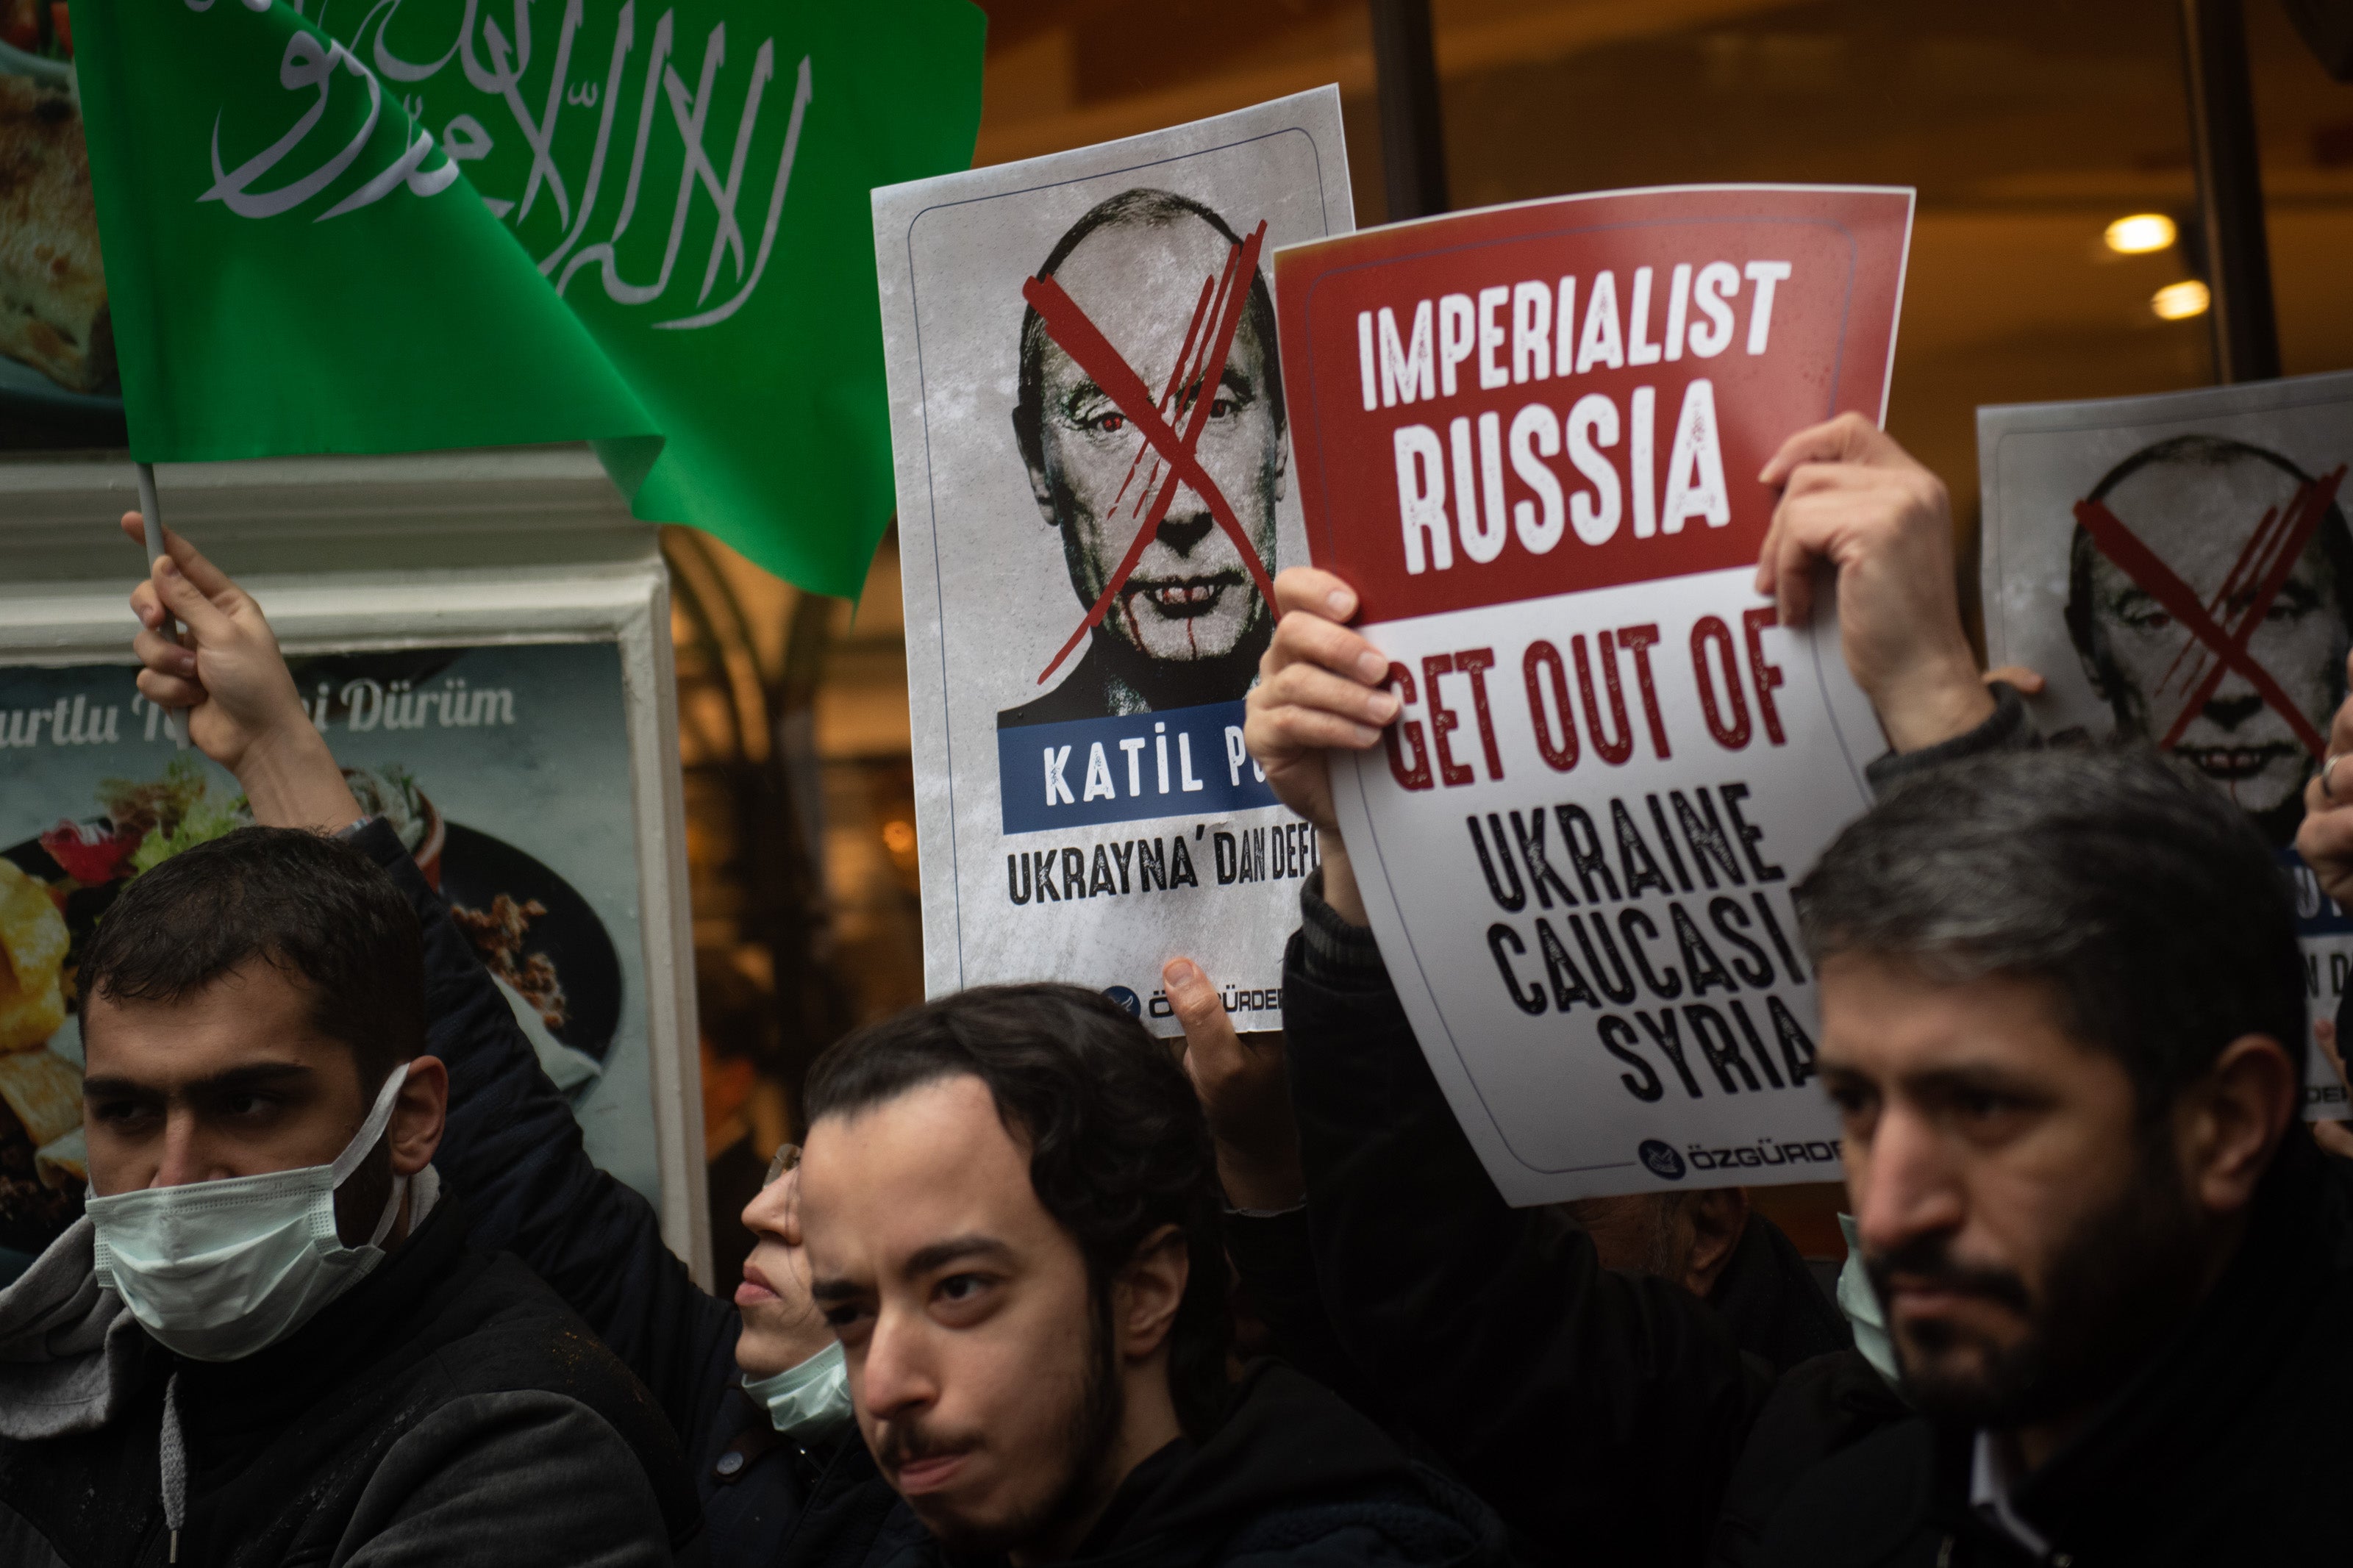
(57, 333)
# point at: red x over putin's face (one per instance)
(1190, 597)
(2209, 525)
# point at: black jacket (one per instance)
(446, 1409)
(1771, 1302)
(1818, 1408)
(1767, 1298)
(512, 1147)
(1291, 1477)
(1599, 1413)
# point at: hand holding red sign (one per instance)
(1320, 685)
(1853, 499)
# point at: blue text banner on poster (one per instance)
(1128, 768)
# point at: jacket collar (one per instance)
(1285, 1446)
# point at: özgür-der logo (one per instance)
(1660, 1159)
(1135, 1006)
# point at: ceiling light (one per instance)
(2140, 234)
(2179, 301)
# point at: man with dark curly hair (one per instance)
(1013, 1223)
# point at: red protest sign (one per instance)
(1567, 394)
(1530, 438)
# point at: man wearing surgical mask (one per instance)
(753, 1386)
(268, 1341)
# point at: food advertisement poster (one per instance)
(506, 771)
(2177, 568)
(1529, 437)
(58, 381)
(1096, 488)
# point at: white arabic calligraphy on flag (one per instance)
(311, 64)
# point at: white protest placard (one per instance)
(2176, 568)
(1095, 491)
(1529, 439)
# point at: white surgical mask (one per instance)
(1863, 1313)
(219, 1270)
(803, 1399)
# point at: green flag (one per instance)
(404, 224)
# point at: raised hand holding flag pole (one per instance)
(150, 513)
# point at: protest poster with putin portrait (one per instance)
(2178, 569)
(1095, 492)
(1530, 438)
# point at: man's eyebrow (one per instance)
(2299, 593)
(256, 1075)
(1974, 1078)
(1228, 380)
(921, 1261)
(116, 1088)
(954, 1249)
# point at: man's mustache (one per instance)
(1928, 1260)
(905, 1442)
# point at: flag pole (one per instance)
(151, 512)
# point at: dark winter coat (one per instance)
(446, 1409)
(1291, 1477)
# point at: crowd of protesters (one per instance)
(1035, 1289)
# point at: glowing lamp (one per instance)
(2179, 301)
(2140, 234)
